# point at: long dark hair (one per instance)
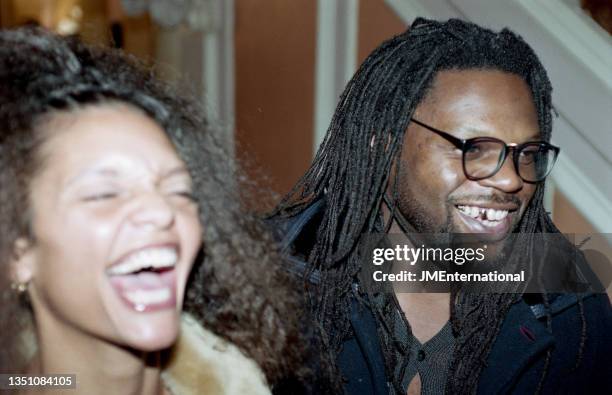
(352, 167)
(236, 288)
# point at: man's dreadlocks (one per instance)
(351, 171)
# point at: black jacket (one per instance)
(516, 360)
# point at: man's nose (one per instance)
(152, 209)
(506, 179)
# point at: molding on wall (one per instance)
(218, 85)
(408, 10)
(586, 40)
(336, 57)
(549, 196)
(591, 203)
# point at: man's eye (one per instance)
(473, 152)
(527, 157)
(528, 154)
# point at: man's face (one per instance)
(434, 193)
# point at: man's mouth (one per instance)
(145, 280)
(495, 221)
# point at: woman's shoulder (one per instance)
(203, 363)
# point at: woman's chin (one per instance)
(150, 334)
(154, 341)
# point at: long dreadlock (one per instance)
(351, 170)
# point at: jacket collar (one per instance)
(366, 334)
(521, 338)
(201, 362)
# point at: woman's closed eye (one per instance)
(184, 194)
(100, 196)
(178, 186)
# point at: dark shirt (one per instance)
(406, 356)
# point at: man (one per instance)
(399, 157)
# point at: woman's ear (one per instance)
(22, 264)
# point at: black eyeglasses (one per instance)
(482, 157)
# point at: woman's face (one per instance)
(115, 228)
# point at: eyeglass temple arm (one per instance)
(457, 142)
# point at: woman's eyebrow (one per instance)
(178, 170)
(114, 173)
(104, 172)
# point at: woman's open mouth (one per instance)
(145, 280)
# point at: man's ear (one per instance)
(392, 175)
(23, 261)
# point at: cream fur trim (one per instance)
(203, 363)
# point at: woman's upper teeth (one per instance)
(157, 258)
(483, 213)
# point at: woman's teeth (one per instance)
(147, 297)
(486, 216)
(147, 290)
(156, 258)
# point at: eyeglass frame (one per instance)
(516, 148)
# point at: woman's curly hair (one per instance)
(237, 288)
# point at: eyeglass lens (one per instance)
(483, 159)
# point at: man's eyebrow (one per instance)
(476, 132)
(535, 136)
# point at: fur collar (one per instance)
(203, 363)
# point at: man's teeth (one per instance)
(157, 258)
(487, 216)
(147, 297)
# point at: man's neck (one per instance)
(427, 313)
(100, 366)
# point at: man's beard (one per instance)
(416, 215)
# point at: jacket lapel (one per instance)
(366, 334)
(521, 338)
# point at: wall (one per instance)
(274, 60)
(275, 79)
(377, 22)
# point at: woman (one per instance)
(112, 191)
